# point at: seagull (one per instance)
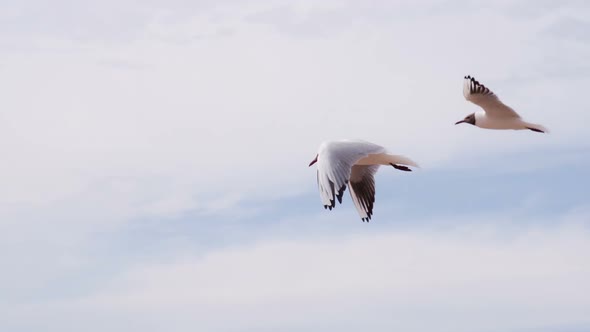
(353, 162)
(495, 114)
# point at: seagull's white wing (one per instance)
(483, 97)
(362, 189)
(335, 161)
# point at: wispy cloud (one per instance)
(479, 277)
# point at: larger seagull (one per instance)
(353, 162)
(495, 114)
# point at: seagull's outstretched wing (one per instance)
(362, 189)
(483, 97)
(335, 163)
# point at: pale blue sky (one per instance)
(155, 177)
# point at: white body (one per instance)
(353, 163)
(483, 120)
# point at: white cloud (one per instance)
(477, 278)
(221, 111)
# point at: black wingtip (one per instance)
(332, 204)
(341, 193)
(401, 167)
(535, 130)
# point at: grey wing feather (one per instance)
(362, 189)
(335, 162)
(483, 97)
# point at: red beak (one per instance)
(313, 161)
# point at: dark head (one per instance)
(314, 160)
(468, 119)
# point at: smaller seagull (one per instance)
(495, 114)
(353, 162)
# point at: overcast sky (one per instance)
(154, 166)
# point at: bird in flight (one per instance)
(495, 114)
(353, 162)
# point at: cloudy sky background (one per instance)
(154, 166)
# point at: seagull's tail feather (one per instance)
(403, 160)
(536, 127)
